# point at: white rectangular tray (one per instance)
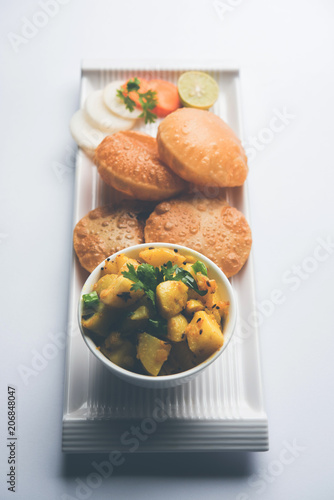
(222, 409)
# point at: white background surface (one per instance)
(285, 51)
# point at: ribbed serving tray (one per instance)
(222, 409)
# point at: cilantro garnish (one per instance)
(148, 100)
(199, 267)
(147, 278)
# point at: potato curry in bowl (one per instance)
(157, 311)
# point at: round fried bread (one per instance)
(107, 230)
(129, 162)
(201, 148)
(210, 226)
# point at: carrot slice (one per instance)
(168, 97)
(144, 87)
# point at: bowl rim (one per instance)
(123, 372)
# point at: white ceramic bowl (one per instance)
(179, 378)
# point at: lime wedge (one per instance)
(197, 90)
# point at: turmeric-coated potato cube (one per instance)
(152, 352)
(120, 351)
(104, 282)
(121, 259)
(117, 265)
(211, 299)
(101, 321)
(190, 259)
(119, 294)
(204, 283)
(193, 306)
(141, 312)
(176, 327)
(159, 256)
(109, 267)
(204, 335)
(172, 298)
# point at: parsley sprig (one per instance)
(147, 277)
(148, 100)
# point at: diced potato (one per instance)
(109, 267)
(120, 260)
(104, 282)
(204, 283)
(141, 313)
(119, 263)
(119, 294)
(217, 307)
(124, 267)
(215, 315)
(152, 352)
(193, 306)
(101, 321)
(120, 351)
(159, 256)
(211, 301)
(204, 335)
(191, 259)
(223, 307)
(176, 327)
(172, 298)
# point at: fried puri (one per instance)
(129, 162)
(106, 230)
(210, 226)
(201, 148)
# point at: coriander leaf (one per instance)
(187, 279)
(146, 274)
(133, 84)
(168, 270)
(145, 278)
(129, 103)
(131, 274)
(199, 267)
(151, 295)
(159, 274)
(148, 116)
(148, 100)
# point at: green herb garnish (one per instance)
(199, 267)
(147, 278)
(188, 279)
(148, 100)
(90, 300)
